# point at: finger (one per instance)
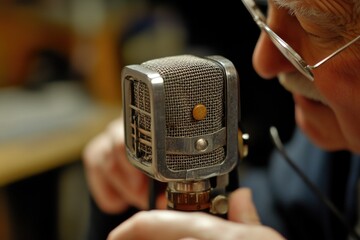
(116, 131)
(175, 225)
(104, 194)
(242, 208)
(130, 182)
(161, 201)
(113, 181)
(169, 224)
(189, 238)
(135, 186)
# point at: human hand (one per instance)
(243, 224)
(114, 183)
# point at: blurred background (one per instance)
(60, 64)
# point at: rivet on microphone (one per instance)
(201, 144)
(199, 112)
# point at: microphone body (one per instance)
(181, 126)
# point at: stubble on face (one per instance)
(296, 83)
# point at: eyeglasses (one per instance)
(285, 48)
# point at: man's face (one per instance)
(328, 109)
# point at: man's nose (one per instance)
(268, 61)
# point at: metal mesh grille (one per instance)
(189, 80)
(141, 121)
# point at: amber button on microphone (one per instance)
(199, 112)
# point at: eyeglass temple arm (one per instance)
(333, 54)
(255, 11)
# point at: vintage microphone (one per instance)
(181, 117)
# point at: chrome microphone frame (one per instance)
(188, 189)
